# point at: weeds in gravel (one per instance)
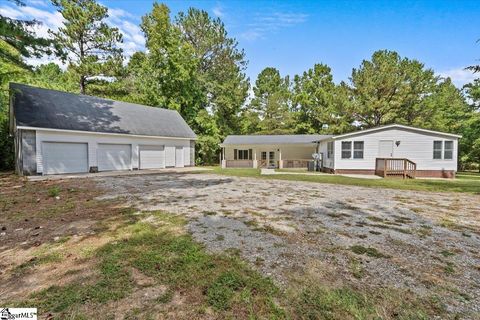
(449, 268)
(356, 268)
(209, 213)
(369, 251)
(447, 253)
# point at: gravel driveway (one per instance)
(426, 243)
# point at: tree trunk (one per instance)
(82, 84)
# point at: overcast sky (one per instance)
(293, 35)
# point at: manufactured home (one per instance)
(57, 132)
(391, 150)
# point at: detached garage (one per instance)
(57, 132)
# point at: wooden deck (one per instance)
(395, 167)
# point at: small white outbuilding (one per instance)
(57, 132)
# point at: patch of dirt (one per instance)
(46, 238)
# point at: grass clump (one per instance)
(447, 253)
(449, 268)
(327, 303)
(369, 251)
(321, 302)
(220, 294)
(356, 268)
(54, 191)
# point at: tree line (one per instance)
(191, 64)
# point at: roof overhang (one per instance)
(102, 133)
(396, 126)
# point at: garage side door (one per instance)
(152, 157)
(62, 157)
(186, 156)
(114, 157)
(179, 157)
(169, 156)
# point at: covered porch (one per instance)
(277, 157)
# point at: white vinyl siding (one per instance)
(61, 157)
(152, 157)
(413, 145)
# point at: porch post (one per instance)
(254, 161)
(280, 161)
(224, 161)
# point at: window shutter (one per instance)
(234, 154)
(249, 154)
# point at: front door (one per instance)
(385, 149)
(271, 159)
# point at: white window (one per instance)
(448, 150)
(346, 149)
(437, 149)
(243, 155)
(329, 150)
(358, 150)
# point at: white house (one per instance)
(58, 132)
(388, 150)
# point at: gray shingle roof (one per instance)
(44, 108)
(275, 139)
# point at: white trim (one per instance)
(395, 126)
(102, 133)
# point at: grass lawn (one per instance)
(465, 181)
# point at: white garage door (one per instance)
(152, 157)
(114, 157)
(179, 157)
(62, 157)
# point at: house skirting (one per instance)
(436, 173)
(354, 171)
(419, 173)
